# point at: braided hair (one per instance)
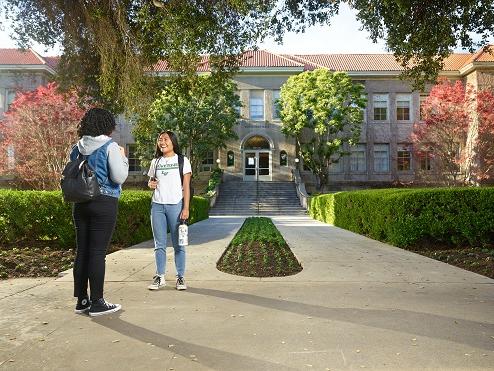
(96, 121)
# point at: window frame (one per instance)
(384, 98)
(360, 148)
(404, 98)
(404, 148)
(375, 150)
(133, 160)
(256, 95)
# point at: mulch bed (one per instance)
(474, 259)
(37, 260)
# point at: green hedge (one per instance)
(27, 216)
(406, 217)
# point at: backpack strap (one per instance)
(181, 168)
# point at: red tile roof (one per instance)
(484, 54)
(18, 56)
(266, 59)
(263, 58)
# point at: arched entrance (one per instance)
(257, 159)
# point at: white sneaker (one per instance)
(181, 284)
(158, 281)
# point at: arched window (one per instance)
(230, 158)
(257, 142)
(283, 158)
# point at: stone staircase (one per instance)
(264, 198)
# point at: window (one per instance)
(9, 98)
(425, 160)
(230, 158)
(276, 109)
(357, 158)
(134, 162)
(364, 110)
(238, 108)
(257, 142)
(381, 158)
(256, 105)
(421, 108)
(380, 103)
(207, 162)
(404, 157)
(336, 167)
(283, 158)
(403, 103)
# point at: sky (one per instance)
(343, 35)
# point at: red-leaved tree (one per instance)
(457, 133)
(442, 133)
(483, 164)
(36, 136)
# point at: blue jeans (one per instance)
(163, 216)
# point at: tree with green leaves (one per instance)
(323, 111)
(109, 46)
(202, 110)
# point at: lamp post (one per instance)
(296, 162)
(218, 163)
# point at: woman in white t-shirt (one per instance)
(170, 205)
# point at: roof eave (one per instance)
(270, 70)
(468, 68)
(28, 67)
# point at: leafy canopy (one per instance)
(323, 111)
(108, 45)
(202, 110)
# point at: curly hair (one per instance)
(96, 121)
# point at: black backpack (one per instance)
(79, 182)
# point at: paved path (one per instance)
(357, 304)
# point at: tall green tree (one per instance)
(109, 45)
(422, 33)
(323, 111)
(202, 110)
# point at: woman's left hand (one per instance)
(184, 215)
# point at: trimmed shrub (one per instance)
(407, 217)
(27, 216)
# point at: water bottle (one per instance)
(183, 233)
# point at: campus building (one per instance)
(383, 156)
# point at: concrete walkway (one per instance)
(357, 304)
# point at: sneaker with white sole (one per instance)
(101, 307)
(158, 282)
(83, 305)
(181, 284)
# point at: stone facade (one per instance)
(383, 156)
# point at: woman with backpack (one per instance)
(95, 220)
(169, 177)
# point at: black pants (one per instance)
(94, 224)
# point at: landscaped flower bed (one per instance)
(258, 250)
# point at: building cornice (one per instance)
(469, 68)
(27, 67)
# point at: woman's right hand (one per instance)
(152, 184)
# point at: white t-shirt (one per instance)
(169, 189)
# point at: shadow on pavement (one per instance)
(472, 333)
(209, 357)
